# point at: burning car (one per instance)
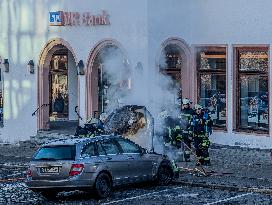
(134, 122)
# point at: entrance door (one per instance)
(58, 87)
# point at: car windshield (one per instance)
(63, 152)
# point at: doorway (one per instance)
(57, 88)
(107, 77)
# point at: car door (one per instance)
(140, 166)
(115, 161)
(90, 157)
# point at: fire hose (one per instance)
(198, 169)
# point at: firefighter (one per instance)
(174, 143)
(200, 127)
(171, 137)
(185, 117)
(176, 136)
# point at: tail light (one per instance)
(76, 169)
(29, 173)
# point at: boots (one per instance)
(207, 163)
(187, 157)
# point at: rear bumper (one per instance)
(70, 183)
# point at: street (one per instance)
(233, 182)
(18, 193)
(13, 190)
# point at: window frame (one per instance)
(212, 48)
(238, 74)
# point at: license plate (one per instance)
(49, 169)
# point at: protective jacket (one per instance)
(201, 124)
(185, 118)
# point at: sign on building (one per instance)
(64, 18)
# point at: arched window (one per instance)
(170, 63)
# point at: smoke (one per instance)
(133, 85)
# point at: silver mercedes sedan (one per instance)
(94, 164)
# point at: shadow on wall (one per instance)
(23, 30)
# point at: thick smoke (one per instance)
(134, 85)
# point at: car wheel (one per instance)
(165, 174)
(49, 194)
(103, 185)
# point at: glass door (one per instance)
(58, 82)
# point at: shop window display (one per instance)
(253, 89)
(211, 66)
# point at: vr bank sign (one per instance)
(63, 18)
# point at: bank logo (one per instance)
(55, 18)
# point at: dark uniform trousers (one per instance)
(200, 129)
(201, 144)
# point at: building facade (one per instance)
(216, 52)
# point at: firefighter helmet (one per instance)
(197, 106)
(186, 101)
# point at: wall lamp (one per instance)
(6, 65)
(30, 67)
(80, 67)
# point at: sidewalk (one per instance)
(233, 167)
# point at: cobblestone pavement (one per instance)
(234, 166)
(237, 176)
(15, 193)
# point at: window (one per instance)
(170, 64)
(110, 147)
(88, 150)
(100, 149)
(129, 147)
(252, 95)
(211, 67)
(61, 152)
